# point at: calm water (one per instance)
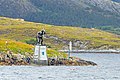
(108, 69)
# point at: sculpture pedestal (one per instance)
(40, 55)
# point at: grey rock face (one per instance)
(106, 5)
(83, 13)
(16, 8)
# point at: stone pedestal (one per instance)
(40, 55)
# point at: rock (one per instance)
(80, 62)
(10, 58)
(77, 62)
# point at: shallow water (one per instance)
(108, 69)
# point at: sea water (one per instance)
(108, 69)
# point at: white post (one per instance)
(70, 46)
(70, 49)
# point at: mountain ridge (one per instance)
(79, 13)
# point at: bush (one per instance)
(31, 41)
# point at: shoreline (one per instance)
(93, 51)
(10, 59)
(73, 61)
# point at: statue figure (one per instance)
(40, 37)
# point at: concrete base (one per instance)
(40, 55)
(43, 62)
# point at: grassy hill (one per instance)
(23, 48)
(14, 46)
(58, 37)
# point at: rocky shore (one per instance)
(72, 61)
(10, 59)
(80, 62)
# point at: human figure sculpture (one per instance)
(40, 37)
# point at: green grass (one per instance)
(15, 46)
(22, 31)
(23, 48)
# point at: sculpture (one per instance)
(39, 37)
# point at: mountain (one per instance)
(16, 8)
(79, 13)
(57, 37)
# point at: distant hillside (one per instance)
(58, 37)
(80, 13)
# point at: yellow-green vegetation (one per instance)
(14, 46)
(23, 48)
(21, 31)
(54, 53)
